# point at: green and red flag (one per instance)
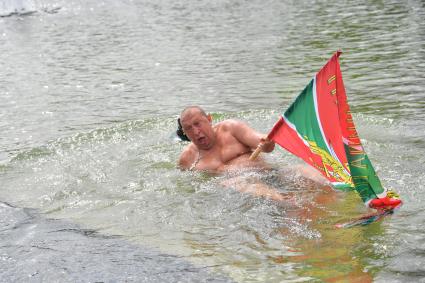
(319, 128)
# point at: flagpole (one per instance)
(256, 152)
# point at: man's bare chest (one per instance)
(220, 156)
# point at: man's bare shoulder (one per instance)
(230, 124)
(187, 157)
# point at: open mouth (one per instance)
(202, 140)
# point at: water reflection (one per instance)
(270, 241)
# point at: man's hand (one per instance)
(266, 144)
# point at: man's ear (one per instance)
(209, 117)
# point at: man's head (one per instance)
(197, 126)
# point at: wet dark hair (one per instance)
(180, 132)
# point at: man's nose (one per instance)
(196, 130)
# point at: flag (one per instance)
(319, 128)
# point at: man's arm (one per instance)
(186, 159)
(249, 137)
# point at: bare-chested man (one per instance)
(224, 146)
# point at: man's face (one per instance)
(198, 129)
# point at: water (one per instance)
(89, 96)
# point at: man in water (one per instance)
(222, 147)
(226, 147)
